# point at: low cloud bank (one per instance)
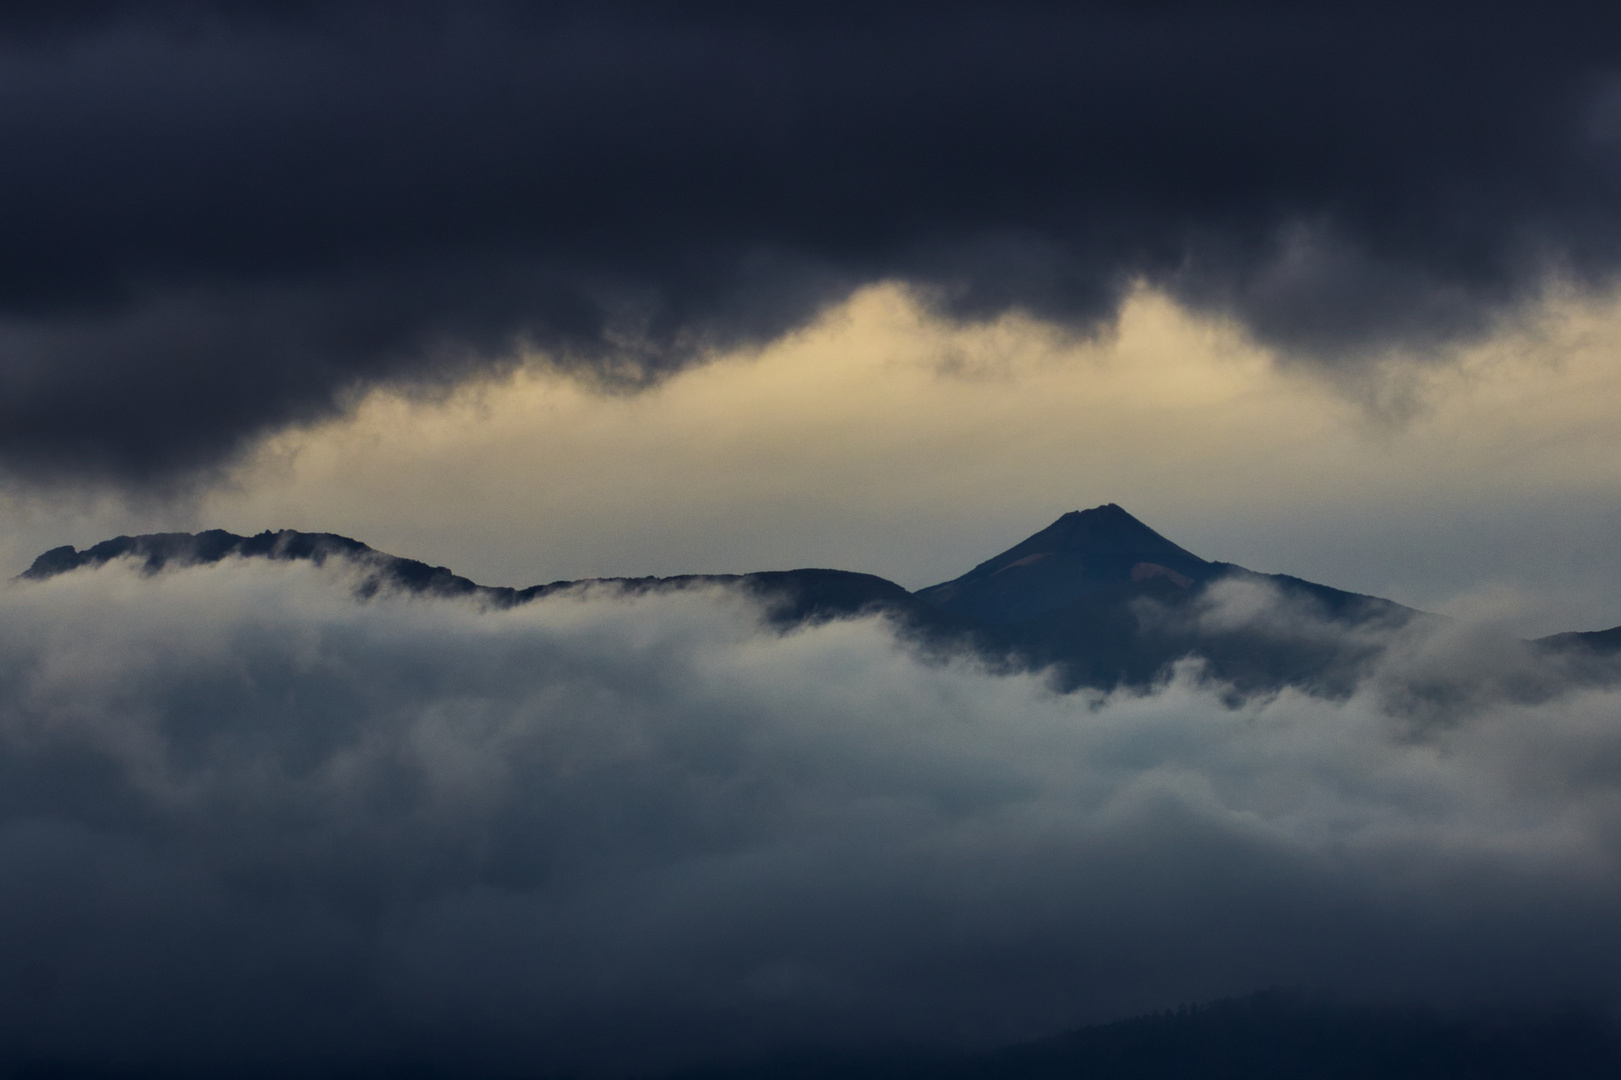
(248, 821)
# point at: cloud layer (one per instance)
(221, 219)
(246, 819)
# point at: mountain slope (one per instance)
(791, 597)
(1097, 599)
(159, 551)
(1272, 1035)
(1083, 552)
(1096, 612)
(1104, 600)
(1588, 642)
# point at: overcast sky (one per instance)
(547, 291)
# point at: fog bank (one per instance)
(246, 819)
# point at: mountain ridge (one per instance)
(1098, 598)
(791, 598)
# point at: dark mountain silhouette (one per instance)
(1590, 642)
(1104, 600)
(1267, 1036)
(159, 551)
(1097, 598)
(1083, 552)
(1591, 656)
(1271, 1035)
(791, 597)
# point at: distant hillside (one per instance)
(1592, 642)
(1269, 1036)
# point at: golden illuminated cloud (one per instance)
(883, 439)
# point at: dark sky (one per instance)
(246, 819)
(219, 219)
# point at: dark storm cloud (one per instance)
(218, 219)
(246, 819)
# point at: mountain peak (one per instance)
(1103, 528)
(1082, 552)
